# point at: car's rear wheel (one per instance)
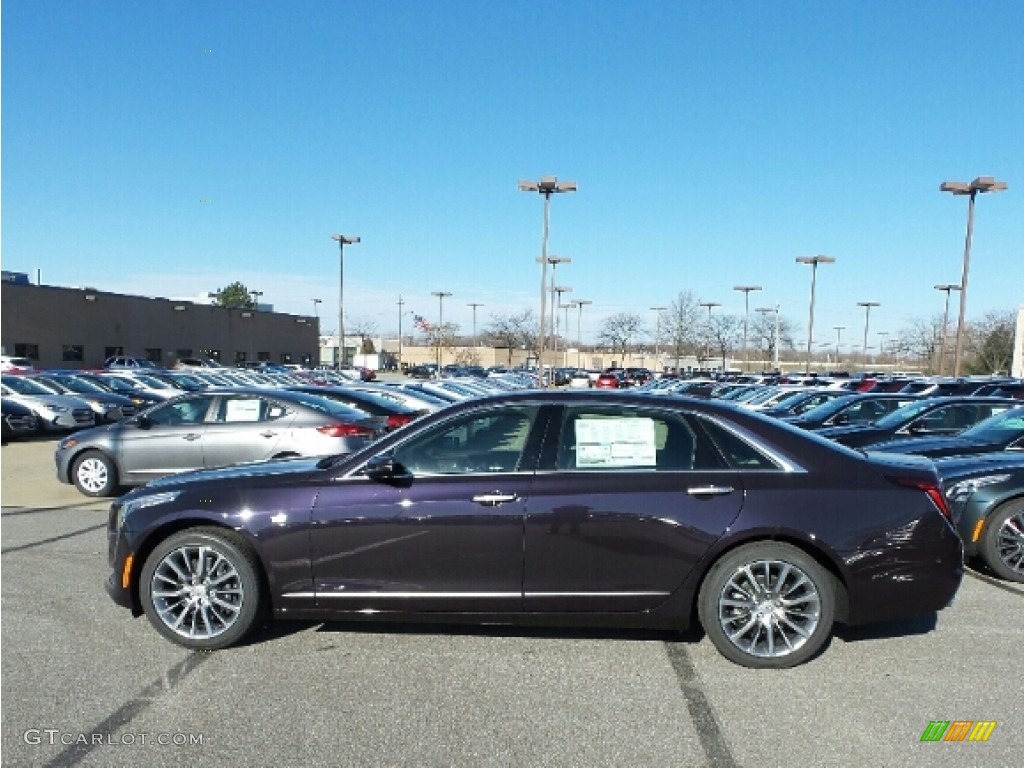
(1002, 543)
(767, 605)
(94, 474)
(201, 588)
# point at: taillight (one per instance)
(931, 490)
(345, 430)
(397, 420)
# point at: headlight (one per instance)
(142, 502)
(960, 492)
(55, 408)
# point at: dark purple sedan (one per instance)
(604, 508)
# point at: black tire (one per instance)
(94, 474)
(1002, 542)
(736, 609)
(222, 598)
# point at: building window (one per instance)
(180, 353)
(155, 355)
(113, 352)
(31, 351)
(286, 358)
(73, 353)
(263, 357)
(240, 358)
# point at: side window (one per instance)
(241, 410)
(610, 438)
(738, 452)
(492, 441)
(184, 412)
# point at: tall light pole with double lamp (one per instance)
(401, 303)
(945, 324)
(342, 241)
(546, 186)
(556, 303)
(867, 318)
(579, 304)
(746, 317)
(440, 322)
(657, 332)
(554, 261)
(980, 185)
(474, 305)
(814, 261)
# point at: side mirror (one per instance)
(384, 467)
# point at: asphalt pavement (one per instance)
(85, 684)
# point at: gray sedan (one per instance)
(211, 429)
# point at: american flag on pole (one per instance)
(421, 322)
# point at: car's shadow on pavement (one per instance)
(917, 625)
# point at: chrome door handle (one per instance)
(268, 433)
(192, 436)
(710, 490)
(494, 499)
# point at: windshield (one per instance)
(25, 386)
(906, 413)
(994, 429)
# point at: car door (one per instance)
(623, 510)
(244, 427)
(447, 534)
(166, 440)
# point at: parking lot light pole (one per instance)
(401, 303)
(657, 331)
(707, 347)
(440, 322)
(579, 304)
(839, 335)
(556, 303)
(256, 299)
(342, 241)
(867, 317)
(746, 317)
(474, 305)
(982, 184)
(814, 261)
(546, 186)
(881, 343)
(945, 324)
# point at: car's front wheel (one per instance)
(201, 588)
(1002, 543)
(94, 474)
(767, 605)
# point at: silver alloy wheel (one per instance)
(1010, 542)
(769, 608)
(92, 474)
(197, 591)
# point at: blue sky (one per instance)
(169, 148)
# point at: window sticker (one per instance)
(243, 410)
(615, 442)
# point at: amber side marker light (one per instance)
(976, 533)
(126, 573)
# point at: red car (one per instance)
(609, 380)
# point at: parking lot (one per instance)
(84, 684)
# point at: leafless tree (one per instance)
(724, 333)
(618, 331)
(989, 343)
(681, 326)
(517, 331)
(762, 333)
